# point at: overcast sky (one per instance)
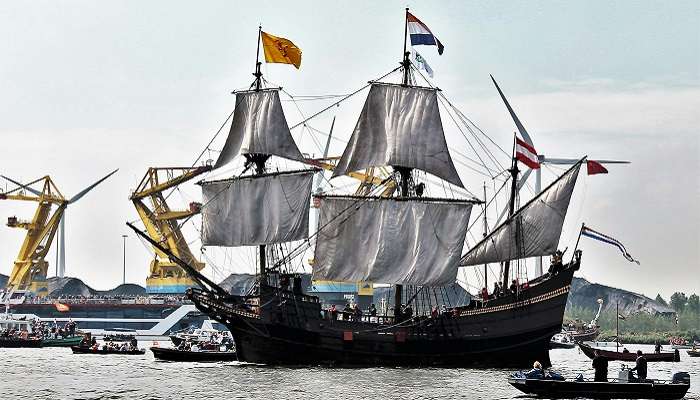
(92, 86)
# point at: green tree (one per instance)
(660, 300)
(694, 304)
(678, 301)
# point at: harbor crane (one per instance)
(162, 225)
(30, 268)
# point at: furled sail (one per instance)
(399, 126)
(258, 209)
(533, 230)
(259, 127)
(390, 240)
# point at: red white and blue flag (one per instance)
(526, 154)
(420, 34)
(588, 232)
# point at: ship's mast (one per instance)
(486, 229)
(259, 160)
(511, 209)
(257, 74)
(404, 172)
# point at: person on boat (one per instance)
(347, 312)
(372, 310)
(600, 365)
(357, 311)
(657, 347)
(536, 372)
(484, 294)
(334, 313)
(641, 366)
(496, 289)
(408, 312)
(514, 286)
(556, 265)
(624, 350)
(434, 313)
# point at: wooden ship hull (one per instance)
(290, 329)
(588, 335)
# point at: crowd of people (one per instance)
(213, 343)
(41, 330)
(101, 299)
(110, 345)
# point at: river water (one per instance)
(56, 373)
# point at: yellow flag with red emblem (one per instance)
(280, 50)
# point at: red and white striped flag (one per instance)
(526, 154)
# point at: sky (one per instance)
(88, 87)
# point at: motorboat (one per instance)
(206, 333)
(170, 354)
(562, 341)
(621, 388)
(18, 331)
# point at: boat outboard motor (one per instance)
(681, 377)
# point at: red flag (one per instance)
(62, 307)
(526, 154)
(594, 167)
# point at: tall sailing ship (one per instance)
(401, 237)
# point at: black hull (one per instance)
(600, 390)
(290, 330)
(87, 350)
(192, 356)
(17, 342)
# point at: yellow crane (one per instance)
(161, 223)
(30, 268)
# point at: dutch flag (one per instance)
(590, 233)
(420, 34)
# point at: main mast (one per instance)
(404, 172)
(511, 209)
(259, 160)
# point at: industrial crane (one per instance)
(161, 222)
(30, 267)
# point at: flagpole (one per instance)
(583, 225)
(258, 74)
(406, 62)
(617, 326)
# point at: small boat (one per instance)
(18, 331)
(694, 352)
(100, 350)
(630, 356)
(561, 341)
(20, 342)
(168, 354)
(201, 335)
(612, 389)
(63, 341)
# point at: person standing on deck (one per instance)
(641, 366)
(600, 365)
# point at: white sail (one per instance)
(259, 127)
(399, 126)
(534, 230)
(254, 210)
(390, 240)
